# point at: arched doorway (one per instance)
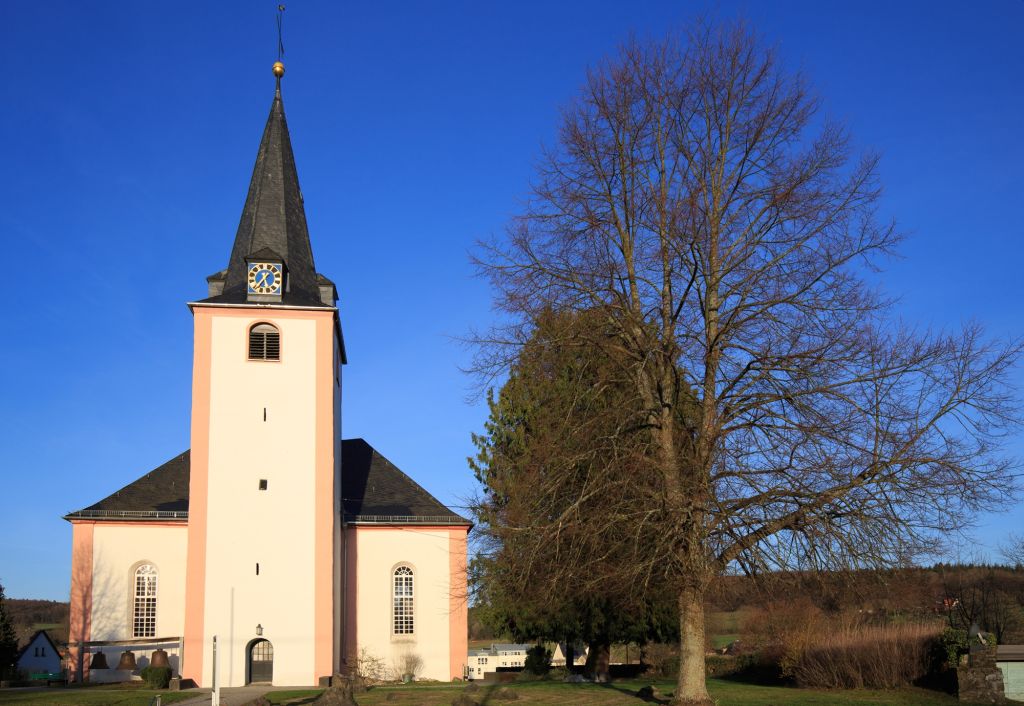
(261, 662)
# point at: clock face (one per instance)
(265, 278)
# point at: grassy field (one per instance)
(725, 626)
(99, 695)
(623, 693)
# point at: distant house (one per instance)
(501, 656)
(1010, 660)
(39, 655)
(579, 654)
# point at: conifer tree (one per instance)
(8, 641)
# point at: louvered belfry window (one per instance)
(264, 343)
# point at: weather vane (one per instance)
(278, 65)
(280, 41)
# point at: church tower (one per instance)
(264, 526)
(246, 541)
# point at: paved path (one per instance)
(235, 696)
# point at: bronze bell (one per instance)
(159, 659)
(127, 661)
(99, 661)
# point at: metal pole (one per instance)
(216, 682)
(80, 667)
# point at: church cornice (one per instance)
(127, 515)
(251, 305)
(447, 520)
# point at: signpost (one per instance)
(216, 676)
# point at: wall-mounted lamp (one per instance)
(259, 629)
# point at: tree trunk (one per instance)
(598, 659)
(691, 689)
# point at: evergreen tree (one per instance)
(8, 641)
(565, 438)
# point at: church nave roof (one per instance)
(374, 491)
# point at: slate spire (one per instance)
(273, 221)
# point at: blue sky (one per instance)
(130, 133)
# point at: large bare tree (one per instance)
(1013, 550)
(700, 202)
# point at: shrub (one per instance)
(858, 656)
(157, 677)
(558, 673)
(660, 660)
(538, 660)
(371, 669)
(948, 646)
(720, 665)
(409, 665)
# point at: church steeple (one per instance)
(273, 225)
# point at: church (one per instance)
(270, 551)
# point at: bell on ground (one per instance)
(127, 661)
(99, 661)
(159, 659)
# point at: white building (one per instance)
(296, 550)
(501, 655)
(579, 654)
(39, 656)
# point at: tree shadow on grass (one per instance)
(639, 694)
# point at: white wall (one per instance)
(378, 552)
(1013, 679)
(246, 526)
(118, 549)
(478, 666)
(49, 661)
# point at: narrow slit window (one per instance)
(264, 342)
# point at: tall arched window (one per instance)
(264, 342)
(402, 623)
(144, 609)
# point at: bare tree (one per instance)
(700, 203)
(984, 597)
(1013, 550)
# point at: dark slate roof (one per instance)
(273, 219)
(160, 494)
(375, 491)
(1010, 653)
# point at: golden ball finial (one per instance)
(278, 69)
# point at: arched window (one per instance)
(402, 623)
(144, 609)
(264, 342)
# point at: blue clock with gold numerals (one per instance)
(265, 278)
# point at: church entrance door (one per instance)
(261, 662)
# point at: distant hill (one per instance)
(29, 615)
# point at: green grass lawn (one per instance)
(623, 693)
(97, 695)
(620, 693)
(725, 626)
(722, 640)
